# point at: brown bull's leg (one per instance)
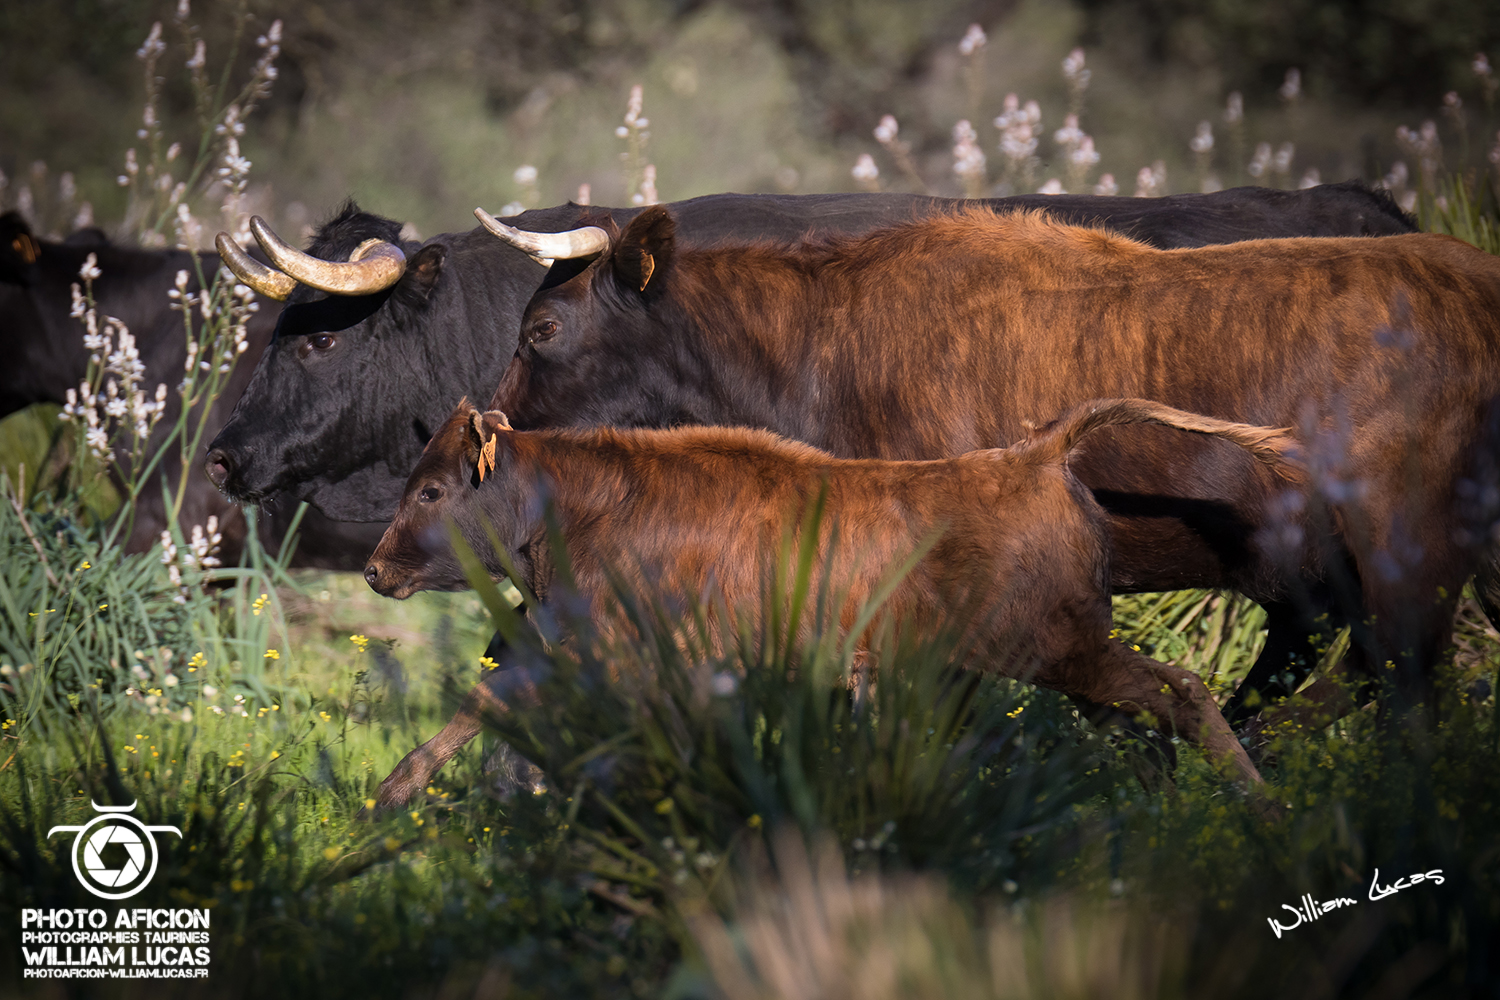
(417, 768)
(1178, 699)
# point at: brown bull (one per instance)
(941, 336)
(1020, 543)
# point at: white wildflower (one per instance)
(1234, 108)
(1203, 141)
(153, 45)
(974, 39)
(1260, 161)
(1291, 86)
(1070, 135)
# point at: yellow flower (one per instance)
(275, 754)
(7, 723)
(103, 606)
(272, 654)
(198, 660)
(369, 803)
(260, 603)
(1018, 711)
(326, 716)
(84, 565)
(360, 641)
(487, 663)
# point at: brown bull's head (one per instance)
(416, 551)
(607, 311)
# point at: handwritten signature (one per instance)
(1311, 909)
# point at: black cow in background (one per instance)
(42, 356)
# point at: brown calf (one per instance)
(1020, 544)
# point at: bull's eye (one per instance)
(430, 494)
(317, 342)
(542, 330)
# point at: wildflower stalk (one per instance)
(972, 48)
(155, 195)
(640, 176)
(886, 134)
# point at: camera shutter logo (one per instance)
(114, 825)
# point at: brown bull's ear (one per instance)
(645, 247)
(496, 420)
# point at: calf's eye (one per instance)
(429, 494)
(323, 342)
(543, 330)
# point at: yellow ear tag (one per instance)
(487, 458)
(648, 268)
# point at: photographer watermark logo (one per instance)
(124, 871)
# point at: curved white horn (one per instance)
(268, 282)
(586, 242)
(373, 266)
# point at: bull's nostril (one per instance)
(371, 574)
(218, 465)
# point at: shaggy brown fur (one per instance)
(1020, 550)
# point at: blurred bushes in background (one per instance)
(423, 110)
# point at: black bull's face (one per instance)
(350, 389)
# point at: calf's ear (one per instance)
(479, 444)
(421, 275)
(644, 248)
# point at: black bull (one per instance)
(350, 389)
(42, 356)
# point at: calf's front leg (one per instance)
(416, 770)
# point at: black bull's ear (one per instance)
(644, 248)
(421, 275)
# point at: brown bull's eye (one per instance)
(543, 330)
(429, 494)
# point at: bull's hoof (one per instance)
(508, 773)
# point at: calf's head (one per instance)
(464, 479)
